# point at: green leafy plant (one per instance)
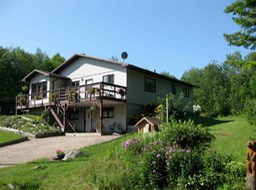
(71, 95)
(250, 110)
(53, 96)
(21, 99)
(186, 135)
(94, 90)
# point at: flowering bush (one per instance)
(197, 109)
(133, 147)
(128, 143)
(152, 166)
(60, 152)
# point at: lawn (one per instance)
(231, 134)
(8, 136)
(47, 174)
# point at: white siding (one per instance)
(37, 79)
(83, 69)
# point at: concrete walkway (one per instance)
(45, 148)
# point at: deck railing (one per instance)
(72, 94)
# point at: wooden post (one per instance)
(101, 115)
(16, 111)
(64, 116)
(251, 165)
(167, 110)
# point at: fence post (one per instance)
(251, 165)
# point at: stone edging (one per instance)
(14, 141)
(16, 131)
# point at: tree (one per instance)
(114, 58)
(244, 12)
(15, 63)
(212, 94)
(194, 76)
(167, 74)
(57, 59)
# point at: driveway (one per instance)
(45, 148)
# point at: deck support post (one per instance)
(101, 115)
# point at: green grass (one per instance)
(8, 136)
(231, 133)
(57, 174)
(232, 136)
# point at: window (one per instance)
(149, 84)
(186, 92)
(108, 112)
(75, 83)
(108, 79)
(39, 90)
(174, 91)
(73, 114)
(89, 81)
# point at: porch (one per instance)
(64, 103)
(72, 95)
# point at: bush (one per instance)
(177, 157)
(159, 166)
(186, 135)
(250, 110)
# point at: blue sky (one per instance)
(161, 35)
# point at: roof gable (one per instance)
(77, 56)
(44, 73)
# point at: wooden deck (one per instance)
(72, 95)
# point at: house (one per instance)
(148, 124)
(87, 93)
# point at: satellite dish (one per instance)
(124, 55)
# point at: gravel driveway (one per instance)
(45, 148)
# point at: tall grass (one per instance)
(107, 159)
(232, 135)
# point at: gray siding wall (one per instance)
(137, 96)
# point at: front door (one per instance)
(88, 120)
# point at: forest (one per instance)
(226, 88)
(15, 64)
(221, 88)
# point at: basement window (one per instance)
(108, 112)
(73, 114)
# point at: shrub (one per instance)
(235, 173)
(176, 158)
(186, 135)
(250, 110)
(176, 107)
(152, 164)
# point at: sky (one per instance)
(162, 35)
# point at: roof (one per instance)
(133, 67)
(77, 56)
(45, 73)
(130, 66)
(150, 120)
